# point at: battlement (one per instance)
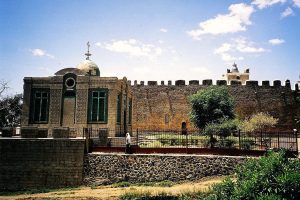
(207, 82)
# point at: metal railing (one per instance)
(196, 139)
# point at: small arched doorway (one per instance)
(183, 128)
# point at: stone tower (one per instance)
(235, 75)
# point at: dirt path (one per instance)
(107, 192)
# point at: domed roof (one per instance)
(234, 68)
(87, 66)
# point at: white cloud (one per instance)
(288, 11)
(163, 30)
(236, 20)
(276, 41)
(266, 3)
(244, 46)
(297, 3)
(132, 47)
(224, 50)
(238, 46)
(40, 53)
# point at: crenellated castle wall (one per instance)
(165, 106)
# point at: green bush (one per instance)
(223, 128)
(223, 190)
(209, 142)
(226, 143)
(270, 177)
(247, 144)
(194, 141)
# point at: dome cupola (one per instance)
(87, 66)
(234, 68)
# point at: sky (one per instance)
(150, 39)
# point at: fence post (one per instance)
(187, 142)
(296, 134)
(261, 138)
(239, 138)
(137, 137)
(278, 140)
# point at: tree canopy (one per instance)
(211, 105)
(10, 107)
(259, 121)
(10, 111)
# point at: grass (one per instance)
(153, 184)
(35, 191)
(163, 196)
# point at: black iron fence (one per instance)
(195, 139)
(167, 140)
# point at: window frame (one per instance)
(130, 111)
(33, 105)
(119, 108)
(90, 106)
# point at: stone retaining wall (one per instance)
(40, 163)
(111, 168)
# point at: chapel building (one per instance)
(78, 98)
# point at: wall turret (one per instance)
(235, 75)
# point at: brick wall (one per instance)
(44, 163)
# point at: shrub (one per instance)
(270, 177)
(247, 144)
(259, 121)
(226, 143)
(272, 174)
(223, 129)
(194, 141)
(223, 190)
(209, 142)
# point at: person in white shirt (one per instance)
(128, 143)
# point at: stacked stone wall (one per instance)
(111, 168)
(166, 106)
(40, 163)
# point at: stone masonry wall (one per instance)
(166, 106)
(111, 168)
(40, 163)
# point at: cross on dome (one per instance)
(88, 54)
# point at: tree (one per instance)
(3, 87)
(211, 105)
(10, 111)
(259, 121)
(10, 107)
